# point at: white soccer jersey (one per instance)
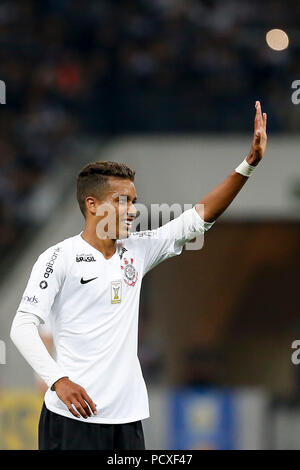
(93, 306)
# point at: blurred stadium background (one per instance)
(167, 86)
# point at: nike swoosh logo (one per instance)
(85, 281)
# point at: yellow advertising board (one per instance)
(19, 416)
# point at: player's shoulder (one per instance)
(140, 240)
(61, 249)
(143, 235)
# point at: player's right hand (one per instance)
(73, 395)
(259, 141)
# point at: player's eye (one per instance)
(123, 199)
(126, 199)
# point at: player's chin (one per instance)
(124, 232)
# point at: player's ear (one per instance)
(91, 205)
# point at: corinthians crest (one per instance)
(130, 273)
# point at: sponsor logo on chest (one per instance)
(86, 258)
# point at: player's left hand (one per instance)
(259, 141)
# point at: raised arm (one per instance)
(217, 200)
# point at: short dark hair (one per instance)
(93, 179)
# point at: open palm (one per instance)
(259, 141)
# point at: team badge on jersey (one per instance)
(130, 273)
(116, 292)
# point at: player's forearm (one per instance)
(24, 334)
(47, 340)
(217, 200)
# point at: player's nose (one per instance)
(132, 212)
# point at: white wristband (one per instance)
(244, 168)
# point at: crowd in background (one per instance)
(119, 66)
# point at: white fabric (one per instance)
(24, 333)
(244, 168)
(95, 324)
(45, 329)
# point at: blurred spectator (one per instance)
(106, 67)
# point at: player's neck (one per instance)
(106, 246)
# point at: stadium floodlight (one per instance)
(277, 39)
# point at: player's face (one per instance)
(117, 206)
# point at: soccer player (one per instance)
(89, 287)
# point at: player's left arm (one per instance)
(217, 200)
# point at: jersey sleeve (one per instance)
(45, 281)
(168, 240)
(45, 329)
